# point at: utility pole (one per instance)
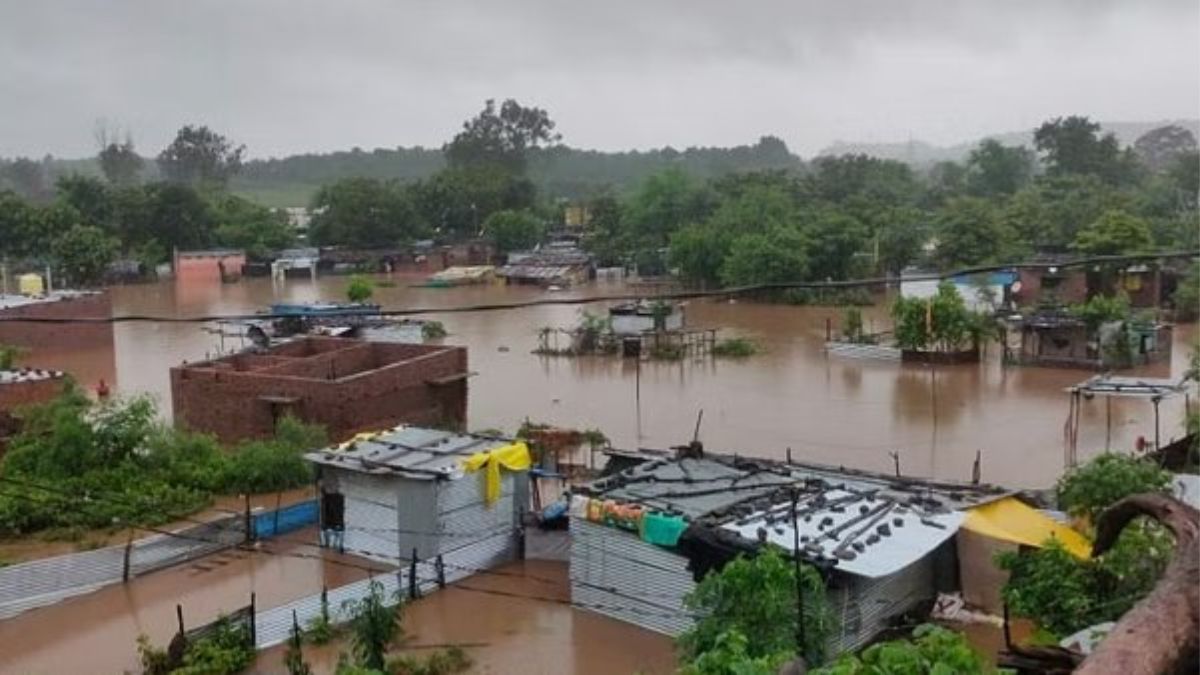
(799, 580)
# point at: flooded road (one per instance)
(826, 409)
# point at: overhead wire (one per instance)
(614, 297)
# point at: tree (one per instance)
(28, 178)
(360, 289)
(901, 241)
(942, 322)
(20, 225)
(89, 196)
(834, 240)
(1115, 233)
(994, 169)
(119, 161)
(729, 655)
(1075, 145)
(513, 230)
(662, 204)
(1158, 148)
(605, 234)
(364, 213)
(84, 253)
(243, 224)
(200, 157)
(1049, 214)
(779, 255)
(374, 624)
(756, 597)
(1084, 491)
(883, 181)
(455, 202)
(970, 232)
(1184, 174)
(501, 139)
(177, 216)
(698, 253)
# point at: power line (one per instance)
(677, 295)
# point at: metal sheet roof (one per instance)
(28, 375)
(1139, 387)
(412, 452)
(690, 487)
(860, 533)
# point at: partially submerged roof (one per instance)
(862, 523)
(1108, 384)
(10, 300)
(19, 375)
(411, 452)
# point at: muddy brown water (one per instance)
(826, 409)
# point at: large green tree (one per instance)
(513, 230)
(501, 138)
(1074, 145)
(996, 169)
(84, 253)
(969, 231)
(89, 196)
(456, 202)
(1115, 233)
(664, 203)
(778, 255)
(364, 212)
(834, 242)
(120, 162)
(1158, 148)
(243, 224)
(200, 157)
(177, 216)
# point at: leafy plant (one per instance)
(729, 656)
(933, 650)
(942, 322)
(440, 662)
(360, 289)
(320, 628)
(756, 597)
(433, 330)
(1101, 309)
(735, 348)
(227, 650)
(373, 625)
(8, 356)
(1086, 490)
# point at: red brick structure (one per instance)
(22, 387)
(56, 336)
(347, 386)
(1067, 286)
(208, 265)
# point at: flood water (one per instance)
(826, 409)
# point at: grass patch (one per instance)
(737, 348)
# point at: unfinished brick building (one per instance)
(347, 386)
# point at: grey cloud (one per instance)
(296, 75)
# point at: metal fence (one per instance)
(38, 583)
(274, 626)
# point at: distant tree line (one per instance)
(716, 216)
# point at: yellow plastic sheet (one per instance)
(514, 457)
(1012, 520)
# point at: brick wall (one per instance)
(16, 394)
(230, 404)
(1071, 288)
(59, 336)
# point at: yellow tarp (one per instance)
(1012, 520)
(514, 457)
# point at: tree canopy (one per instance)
(200, 156)
(501, 138)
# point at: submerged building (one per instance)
(347, 386)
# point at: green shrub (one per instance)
(1088, 489)
(433, 330)
(228, 650)
(932, 650)
(735, 348)
(360, 289)
(828, 297)
(440, 662)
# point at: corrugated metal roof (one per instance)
(414, 452)
(861, 533)
(1120, 385)
(28, 375)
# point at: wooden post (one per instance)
(249, 522)
(253, 619)
(441, 572)
(828, 329)
(412, 576)
(324, 603)
(179, 617)
(128, 554)
(977, 469)
(278, 503)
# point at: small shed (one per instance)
(432, 492)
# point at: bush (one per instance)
(756, 597)
(440, 662)
(735, 348)
(932, 649)
(360, 289)
(1086, 490)
(226, 651)
(433, 330)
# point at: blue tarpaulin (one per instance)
(287, 519)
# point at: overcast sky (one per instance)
(286, 76)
